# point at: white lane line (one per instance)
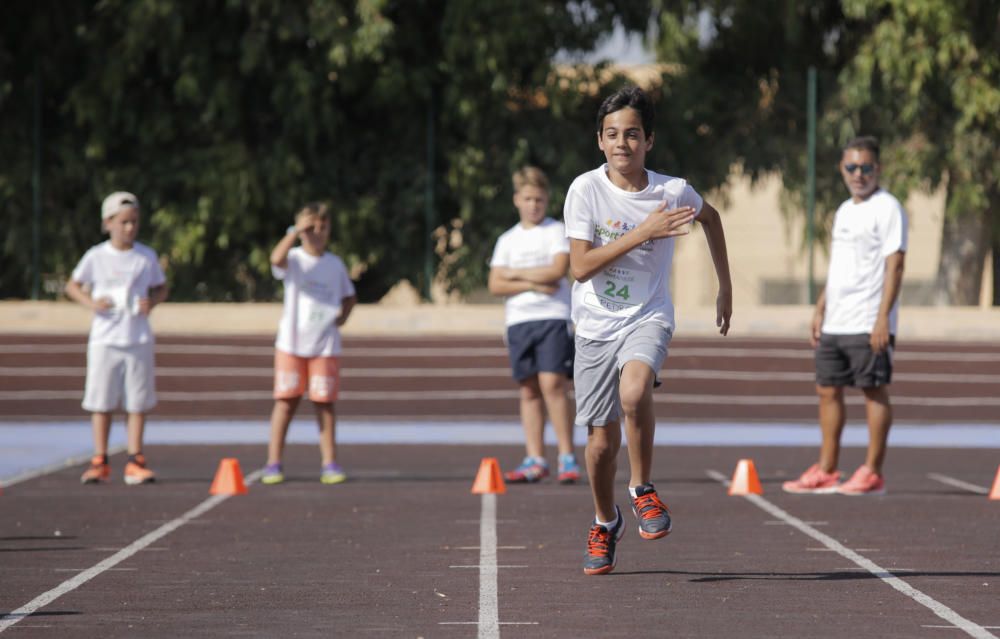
(970, 628)
(958, 483)
(477, 395)
(955, 628)
(668, 374)
(52, 468)
(499, 351)
(479, 566)
(476, 623)
(11, 618)
(489, 612)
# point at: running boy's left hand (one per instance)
(723, 310)
(145, 306)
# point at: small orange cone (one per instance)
(745, 480)
(488, 479)
(995, 493)
(228, 479)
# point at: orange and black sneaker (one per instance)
(653, 514)
(136, 471)
(98, 471)
(602, 542)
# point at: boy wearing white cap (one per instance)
(121, 281)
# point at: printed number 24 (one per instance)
(611, 292)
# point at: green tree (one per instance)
(922, 75)
(226, 116)
(927, 79)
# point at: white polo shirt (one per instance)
(864, 235)
(635, 288)
(534, 247)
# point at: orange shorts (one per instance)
(292, 373)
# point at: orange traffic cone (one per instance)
(995, 493)
(745, 480)
(228, 479)
(488, 479)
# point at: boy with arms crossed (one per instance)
(319, 297)
(621, 220)
(529, 267)
(121, 281)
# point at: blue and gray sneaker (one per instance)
(333, 474)
(600, 558)
(531, 470)
(569, 470)
(653, 514)
(272, 475)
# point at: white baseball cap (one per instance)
(116, 202)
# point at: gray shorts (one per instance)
(598, 366)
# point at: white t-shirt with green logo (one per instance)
(635, 288)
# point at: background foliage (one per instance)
(224, 116)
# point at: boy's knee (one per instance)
(830, 393)
(552, 384)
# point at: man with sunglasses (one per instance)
(854, 325)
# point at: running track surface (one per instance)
(746, 380)
(404, 550)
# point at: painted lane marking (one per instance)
(489, 613)
(478, 395)
(394, 351)
(956, 628)
(492, 372)
(970, 628)
(13, 617)
(958, 483)
(475, 623)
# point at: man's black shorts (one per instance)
(540, 346)
(848, 360)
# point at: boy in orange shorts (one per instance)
(319, 297)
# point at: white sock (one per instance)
(610, 525)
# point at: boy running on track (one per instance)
(529, 267)
(121, 281)
(621, 220)
(319, 297)
(854, 326)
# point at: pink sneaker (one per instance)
(864, 481)
(814, 481)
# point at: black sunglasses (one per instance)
(866, 169)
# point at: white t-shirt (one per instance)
(533, 247)
(864, 235)
(315, 288)
(124, 277)
(636, 287)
